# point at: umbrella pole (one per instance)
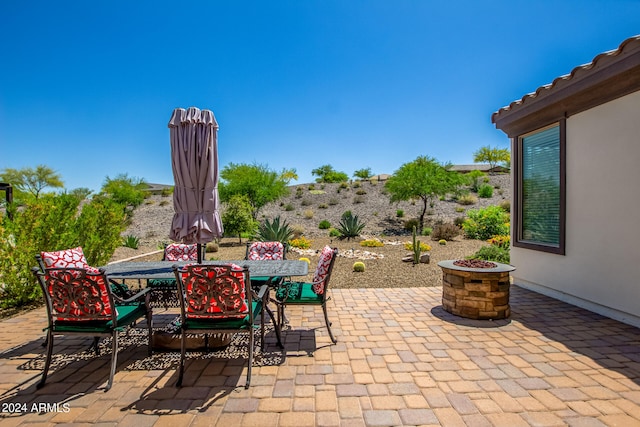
(199, 253)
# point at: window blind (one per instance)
(540, 213)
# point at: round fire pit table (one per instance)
(476, 293)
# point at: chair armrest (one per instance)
(134, 298)
(262, 293)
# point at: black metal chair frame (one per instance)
(281, 303)
(65, 287)
(216, 287)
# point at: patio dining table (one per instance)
(162, 270)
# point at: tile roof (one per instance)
(630, 46)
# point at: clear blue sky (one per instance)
(88, 87)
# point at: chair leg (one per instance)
(150, 330)
(276, 326)
(326, 319)
(114, 360)
(47, 362)
(250, 362)
(183, 348)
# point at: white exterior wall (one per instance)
(601, 268)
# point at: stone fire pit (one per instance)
(476, 290)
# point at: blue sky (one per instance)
(87, 88)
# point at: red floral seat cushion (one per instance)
(322, 270)
(78, 298)
(181, 252)
(266, 250)
(229, 294)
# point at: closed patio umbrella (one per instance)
(194, 159)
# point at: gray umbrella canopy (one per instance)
(194, 159)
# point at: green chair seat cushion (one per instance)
(162, 283)
(221, 323)
(127, 314)
(298, 293)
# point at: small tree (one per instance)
(125, 190)
(257, 182)
(32, 181)
(363, 173)
(423, 179)
(327, 174)
(493, 156)
(237, 218)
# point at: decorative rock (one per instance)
(425, 258)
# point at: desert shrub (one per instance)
(164, 202)
(410, 223)
(312, 187)
(358, 266)
(299, 192)
(492, 253)
(446, 231)
(323, 206)
(467, 199)
(274, 231)
(333, 201)
(166, 192)
(371, 243)
(305, 202)
(485, 223)
(505, 205)
(459, 220)
(423, 246)
(50, 223)
(399, 213)
(308, 214)
(288, 207)
(361, 192)
(426, 231)
(459, 209)
(333, 232)
(211, 247)
(485, 191)
(358, 199)
(350, 226)
(356, 184)
(343, 185)
(297, 230)
(300, 243)
(324, 225)
(346, 214)
(130, 241)
(317, 191)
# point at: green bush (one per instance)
(324, 225)
(410, 223)
(426, 231)
(52, 223)
(467, 199)
(288, 207)
(333, 232)
(492, 253)
(485, 191)
(485, 223)
(399, 213)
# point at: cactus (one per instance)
(358, 266)
(416, 247)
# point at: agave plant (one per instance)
(350, 226)
(275, 231)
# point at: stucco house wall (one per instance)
(600, 270)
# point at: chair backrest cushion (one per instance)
(265, 250)
(215, 291)
(180, 252)
(78, 294)
(67, 258)
(322, 270)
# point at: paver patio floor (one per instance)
(400, 360)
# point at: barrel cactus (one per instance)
(358, 266)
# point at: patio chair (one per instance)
(74, 257)
(164, 290)
(218, 299)
(259, 251)
(80, 302)
(314, 293)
